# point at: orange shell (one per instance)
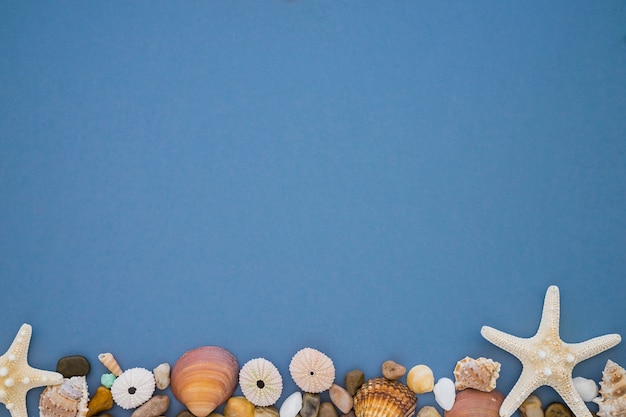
(380, 397)
(204, 378)
(474, 403)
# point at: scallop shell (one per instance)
(480, 374)
(612, 402)
(108, 360)
(475, 403)
(380, 397)
(260, 382)
(312, 371)
(204, 378)
(69, 399)
(133, 387)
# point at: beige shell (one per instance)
(380, 397)
(68, 399)
(204, 378)
(612, 402)
(475, 403)
(480, 374)
(108, 360)
(312, 371)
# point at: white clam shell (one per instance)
(587, 388)
(445, 393)
(291, 406)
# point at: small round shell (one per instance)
(133, 387)
(312, 371)
(260, 382)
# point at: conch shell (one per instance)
(68, 399)
(204, 378)
(380, 397)
(612, 402)
(475, 403)
(480, 374)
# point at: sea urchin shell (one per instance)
(133, 387)
(312, 371)
(260, 382)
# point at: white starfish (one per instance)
(17, 377)
(546, 359)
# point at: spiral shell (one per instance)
(68, 399)
(380, 397)
(312, 371)
(260, 382)
(480, 374)
(133, 387)
(475, 403)
(612, 402)
(204, 378)
(108, 360)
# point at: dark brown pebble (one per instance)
(70, 366)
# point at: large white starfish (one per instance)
(546, 359)
(17, 377)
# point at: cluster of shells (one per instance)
(206, 378)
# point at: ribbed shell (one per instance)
(133, 387)
(68, 399)
(109, 361)
(312, 371)
(260, 382)
(480, 374)
(204, 378)
(380, 397)
(612, 402)
(475, 403)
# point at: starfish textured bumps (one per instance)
(17, 377)
(546, 359)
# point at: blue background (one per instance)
(376, 180)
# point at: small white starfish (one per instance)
(546, 359)
(17, 377)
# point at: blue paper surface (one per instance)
(374, 180)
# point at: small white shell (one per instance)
(445, 393)
(587, 388)
(133, 387)
(291, 406)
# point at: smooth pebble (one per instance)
(154, 407)
(310, 405)
(270, 411)
(101, 401)
(107, 380)
(185, 413)
(558, 409)
(392, 370)
(428, 411)
(420, 379)
(238, 407)
(291, 406)
(531, 407)
(353, 381)
(162, 375)
(341, 398)
(327, 409)
(445, 393)
(75, 365)
(587, 388)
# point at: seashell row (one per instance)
(480, 374)
(204, 378)
(474, 403)
(69, 399)
(612, 400)
(381, 397)
(312, 371)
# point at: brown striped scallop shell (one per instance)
(380, 397)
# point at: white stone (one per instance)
(162, 376)
(445, 393)
(587, 388)
(291, 406)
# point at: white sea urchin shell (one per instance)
(312, 371)
(133, 387)
(260, 382)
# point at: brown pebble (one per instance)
(341, 398)
(557, 410)
(392, 370)
(154, 407)
(327, 409)
(349, 414)
(185, 413)
(428, 411)
(238, 407)
(101, 401)
(531, 407)
(310, 405)
(70, 366)
(353, 381)
(270, 411)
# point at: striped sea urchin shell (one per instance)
(380, 397)
(133, 387)
(260, 382)
(312, 371)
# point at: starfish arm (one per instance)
(19, 409)
(592, 347)
(516, 346)
(551, 314)
(525, 385)
(573, 400)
